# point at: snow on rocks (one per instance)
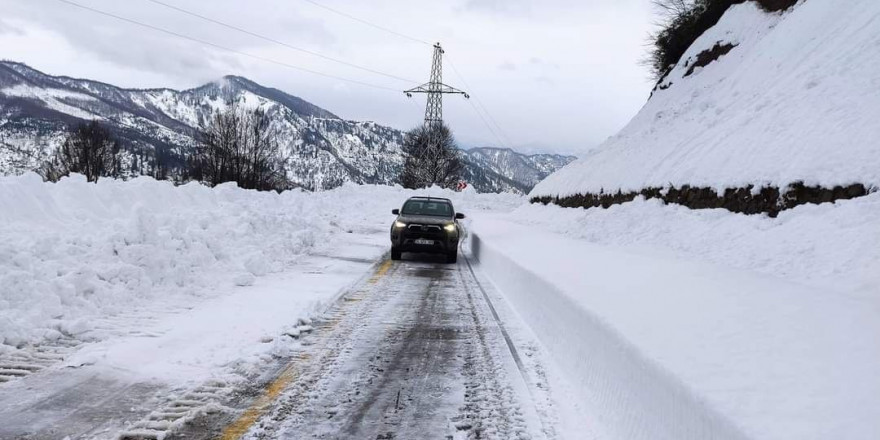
(796, 100)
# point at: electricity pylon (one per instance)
(435, 90)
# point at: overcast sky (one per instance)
(556, 75)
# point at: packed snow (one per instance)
(679, 324)
(796, 100)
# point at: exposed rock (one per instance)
(768, 200)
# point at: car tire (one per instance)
(395, 254)
(452, 257)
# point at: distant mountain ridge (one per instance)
(37, 110)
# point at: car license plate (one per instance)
(423, 241)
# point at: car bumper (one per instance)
(439, 243)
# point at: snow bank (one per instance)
(798, 99)
(74, 251)
(669, 348)
(833, 245)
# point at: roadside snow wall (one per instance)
(631, 396)
(659, 347)
(796, 99)
(679, 324)
(73, 250)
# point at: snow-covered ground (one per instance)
(835, 246)
(683, 324)
(81, 262)
(642, 321)
(639, 321)
(797, 99)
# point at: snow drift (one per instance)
(797, 99)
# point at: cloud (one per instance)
(10, 29)
(507, 66)
(548, 52)
(545, 80)
(308, 30)
(512, 7)
(539, 62)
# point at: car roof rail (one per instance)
(429, 198)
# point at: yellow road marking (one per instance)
(244, 422)
(380, 272)
(241, 425)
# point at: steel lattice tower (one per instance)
(435, 90)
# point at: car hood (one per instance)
(425, 219)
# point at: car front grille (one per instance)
(431, 232)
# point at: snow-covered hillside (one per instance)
(677, 323)
(796, 99)
(702, 324)
(37, 110)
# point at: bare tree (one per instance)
(670, 9)
(240, 145)
(682, 22)
(90, 149)
(431, 158)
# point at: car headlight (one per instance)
(399, 224)
(450, 227)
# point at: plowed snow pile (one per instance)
(797, 99)
(74, 251)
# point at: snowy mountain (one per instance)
(503, 166)
(763, 99)
(36, 111)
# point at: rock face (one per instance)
(768, 200)
(37, 110)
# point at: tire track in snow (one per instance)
(411, 354)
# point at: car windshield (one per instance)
(437, 208)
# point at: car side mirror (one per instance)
(459, 215)
(395, 211)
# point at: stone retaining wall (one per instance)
(768, 200)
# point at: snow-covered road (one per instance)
(140, 310)
(412, 352)
(158, 367)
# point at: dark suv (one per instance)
(428, 225)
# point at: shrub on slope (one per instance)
(686, 21)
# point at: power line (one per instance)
(281, 43)
(217, 46)
(373, 25)
(454, 69)
(480, 103)
(497, 138)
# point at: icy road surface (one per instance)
(414, 352)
